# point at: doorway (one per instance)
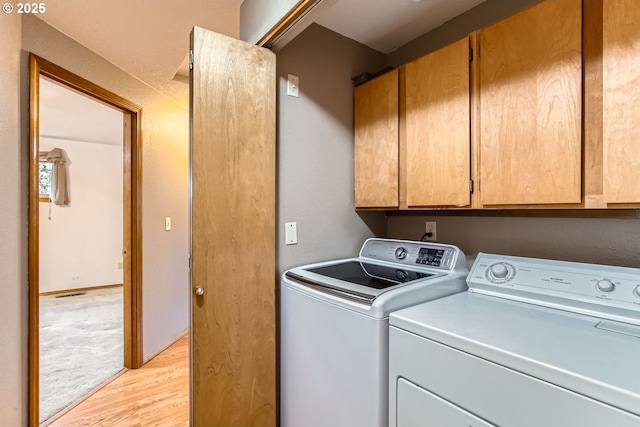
(80, 244)
(131, 218)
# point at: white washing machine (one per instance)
(532, 343)
(335, 328)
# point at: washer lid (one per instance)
(357, 280)
(588, 355)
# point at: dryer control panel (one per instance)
(602, 290)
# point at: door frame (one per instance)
(132, 207)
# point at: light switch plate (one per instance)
(293, 85)
(291, 233)
(167, 224)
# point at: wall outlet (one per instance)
(430, 229)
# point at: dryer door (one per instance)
(418, 407)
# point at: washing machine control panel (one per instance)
(415, 254)
(600, 287)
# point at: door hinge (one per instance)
(471, 186)
(191, 60)
(470, 54)
(189, 262)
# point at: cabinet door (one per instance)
(376, 142)
(621, 101)
(233, 163)
(437, 160)
(530, 107)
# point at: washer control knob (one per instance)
(401, 252)
(605, 285)
(499, 271)
(636, 291)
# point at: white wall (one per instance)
(81, 244)
(315, 148)
(13, 240)
(165, 174)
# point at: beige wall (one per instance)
(594, 240)
(165, 145)
(13, 286)
(315, 148)
(257, 17)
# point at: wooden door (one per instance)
(621, 101)
(376, 142)
(233, 336)
(438, 139)
(531, 100)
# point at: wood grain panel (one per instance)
(376, 142)
(592, 123)
(34, 241)
(233, 87)
(438, 128)
(474, 82)
(621, 101)
(402, 137)
(531, 91)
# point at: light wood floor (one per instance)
(155, 395)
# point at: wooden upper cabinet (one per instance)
(437, 162)
(621, 101)
(376, 142)
(530, 106)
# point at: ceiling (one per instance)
(386, 25)
(150, 38)
(65, 114)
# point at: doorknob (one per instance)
(199, 291)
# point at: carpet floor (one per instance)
(81, 345)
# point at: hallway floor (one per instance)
(157, 395)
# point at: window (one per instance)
(46, 169)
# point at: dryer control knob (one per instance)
(605, 285)
(499, 271)
(636, 291)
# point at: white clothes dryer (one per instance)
(532, 343)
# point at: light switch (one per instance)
(167, 224)
(293, 85)
(291, 233)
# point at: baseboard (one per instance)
(147, 357)
(88, 288)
